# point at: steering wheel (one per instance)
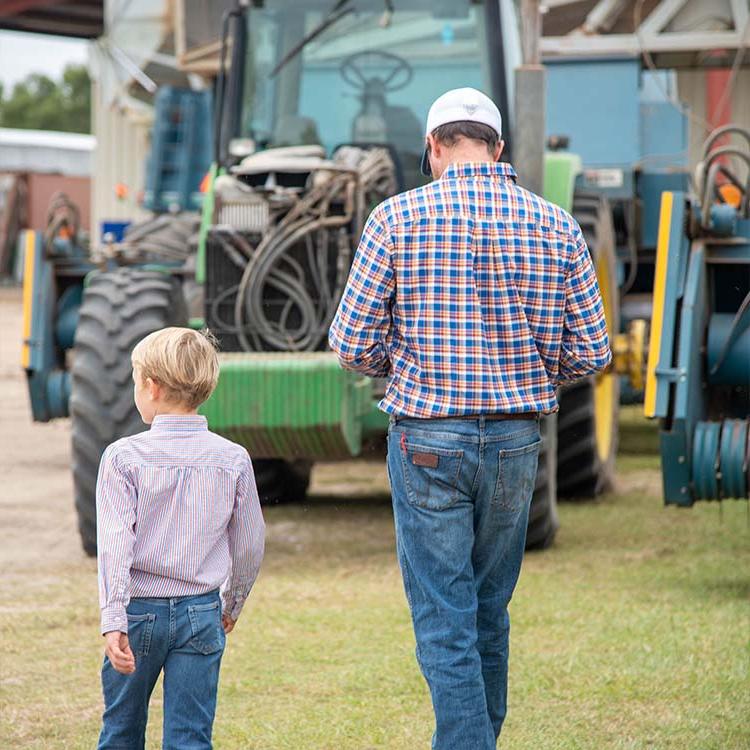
(398, 72)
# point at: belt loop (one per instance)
(172, 622)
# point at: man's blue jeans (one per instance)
(184, 637)
(461, 493)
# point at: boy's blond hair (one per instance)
(182, 361)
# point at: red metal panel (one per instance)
(83, 19)
(43, 186)
(16, 7)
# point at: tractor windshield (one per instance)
(363, 71)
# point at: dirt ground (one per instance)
(36, 507)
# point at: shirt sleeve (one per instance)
(363, 318)
(246, 543)
(585, 344)
(115, 539)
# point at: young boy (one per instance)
(177, 516)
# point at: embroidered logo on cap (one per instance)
(471, 108)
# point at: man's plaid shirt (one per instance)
(474, 296)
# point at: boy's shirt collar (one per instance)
(179, 423)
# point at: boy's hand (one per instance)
(228, 623)
(117, 649)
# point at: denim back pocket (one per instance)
(516, 476)
(205, 625)
(432, 475)
(140, 629)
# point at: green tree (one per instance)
(39, 103)
(76, 92)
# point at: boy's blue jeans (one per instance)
(461, 494)
(184, 637)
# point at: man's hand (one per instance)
(117, 649)
(228, 623)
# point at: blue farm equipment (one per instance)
(632, 138)
(180, 150)
(698, 376)
(58, 260)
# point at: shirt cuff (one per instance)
(114, 617)
(233, 604)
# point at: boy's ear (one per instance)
(154, 390)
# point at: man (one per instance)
(477, 298)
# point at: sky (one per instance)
(22, 53)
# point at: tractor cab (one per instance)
(363, 73)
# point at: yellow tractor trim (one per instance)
(28, 297)
(604, 385)
(657, 314)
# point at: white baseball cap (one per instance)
(460, 105)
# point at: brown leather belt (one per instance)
(489, 417)
(521, 415)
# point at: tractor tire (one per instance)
(587, 423)
(280, 481)
(543, 520)
(119, 308)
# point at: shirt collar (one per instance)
(480, 169)
(179, 423)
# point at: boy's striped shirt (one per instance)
(177, 515)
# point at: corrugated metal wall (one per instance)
(691, 86)
(122, 145)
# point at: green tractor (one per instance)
(319, 116)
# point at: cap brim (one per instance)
(425, 165)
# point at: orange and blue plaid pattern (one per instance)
(474, 296)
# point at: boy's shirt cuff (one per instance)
(114, 617)
(232, 606)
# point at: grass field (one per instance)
(632, 632)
